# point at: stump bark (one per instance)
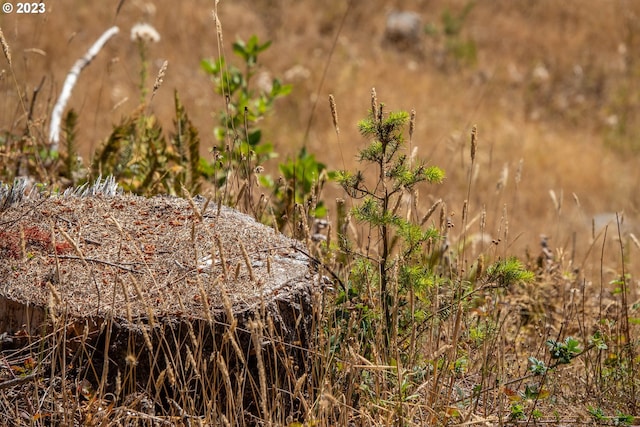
(197, 306)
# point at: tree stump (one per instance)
(196, 306)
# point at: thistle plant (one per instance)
(396, 176)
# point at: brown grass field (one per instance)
(552, 87)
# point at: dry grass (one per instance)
(550, 82)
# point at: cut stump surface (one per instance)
(207, 277)
(94, 251)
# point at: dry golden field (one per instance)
(552, 86)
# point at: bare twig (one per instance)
(99, 261)
(17, 381)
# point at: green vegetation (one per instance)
(460, 49)
(396, 178)
(144, 161)
(241, 153)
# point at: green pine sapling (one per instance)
(397, 175)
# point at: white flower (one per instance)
(145, 33)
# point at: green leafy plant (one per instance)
(537, 367)
(71, 166)
(623, 419)
(507, 272)
(303, 180)
(462, 50)
(517, 412)
(240, 151)
(599, 416)
(565, 351)
(144, 161)
(24, 152)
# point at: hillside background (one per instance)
(552, 86)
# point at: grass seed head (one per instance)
(223, 261)
(374, 103)
(159, 78)
(334, 113)
(160, 380)
(147, 339)
(57, 299)
(170, 373)
(204, 298)
(216, 20)
(412, 124)
(474, 142)
(247, 262)
(5, 47)
(118, 384)
(131, 360)
(237, 273)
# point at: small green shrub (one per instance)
(144, 161)
(461, 50)
(240, 152)
(400, 241)
(303, 180)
